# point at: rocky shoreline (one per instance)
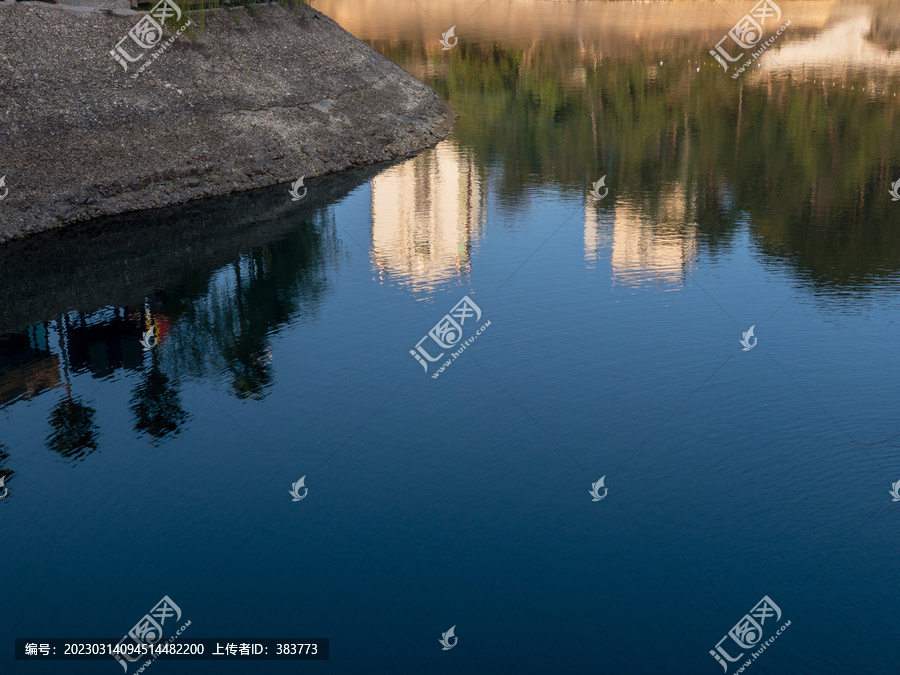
(254, 98)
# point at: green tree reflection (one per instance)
(806, 162)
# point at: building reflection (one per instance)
(835, 52)
(426, 215)
(51, 354)
(27, 367)
(54, 354)
(103, 342)
(647, 245)
(619, 26)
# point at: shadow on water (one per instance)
(212, 281)
(116, 261)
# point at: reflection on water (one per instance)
(276, 343)
(31, 368)
(224, 326)
(5, 474)
(528, 22)
(546, 107)
(838, 49)
(801, 153)
(658, 247)
(98, 344)
(218, 297)
(427, 214)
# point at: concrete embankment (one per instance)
(253, 99)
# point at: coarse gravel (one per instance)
(243, 100)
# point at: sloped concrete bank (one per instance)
(254, 99)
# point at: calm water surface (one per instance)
(284, 336)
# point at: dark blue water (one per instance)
(284, 334)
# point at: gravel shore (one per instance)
(253, 99)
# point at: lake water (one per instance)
(603, 340)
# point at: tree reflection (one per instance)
(74, 434)
(156, 404)
(224, 321)
(215, 295)
(810, 162)
(250, 370)
(74, 431)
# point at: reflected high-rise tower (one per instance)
(426, 214)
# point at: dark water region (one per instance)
(284, 332)
(229, 273)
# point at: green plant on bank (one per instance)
(292, 5)
(196, 10)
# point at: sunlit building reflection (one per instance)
(426, 215)
(836, 50)
(645, 245)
